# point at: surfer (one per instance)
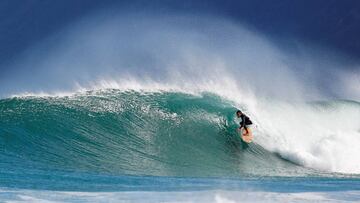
(244, 129)
(245, 120)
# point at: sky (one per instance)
(327, 22)
(331, 24)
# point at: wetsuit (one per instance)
(245, 121)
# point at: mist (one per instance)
(193, 53)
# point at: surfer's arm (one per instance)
(239, 129)
(242, 123)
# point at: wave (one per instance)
(167, 133)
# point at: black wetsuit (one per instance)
(245, 121)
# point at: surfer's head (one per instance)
(238, 113)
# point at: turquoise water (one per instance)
(113, 141)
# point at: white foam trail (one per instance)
(216, 196)
(321, 137)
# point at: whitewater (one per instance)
(142, 109)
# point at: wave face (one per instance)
(129, 132)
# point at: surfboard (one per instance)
(246, 136)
